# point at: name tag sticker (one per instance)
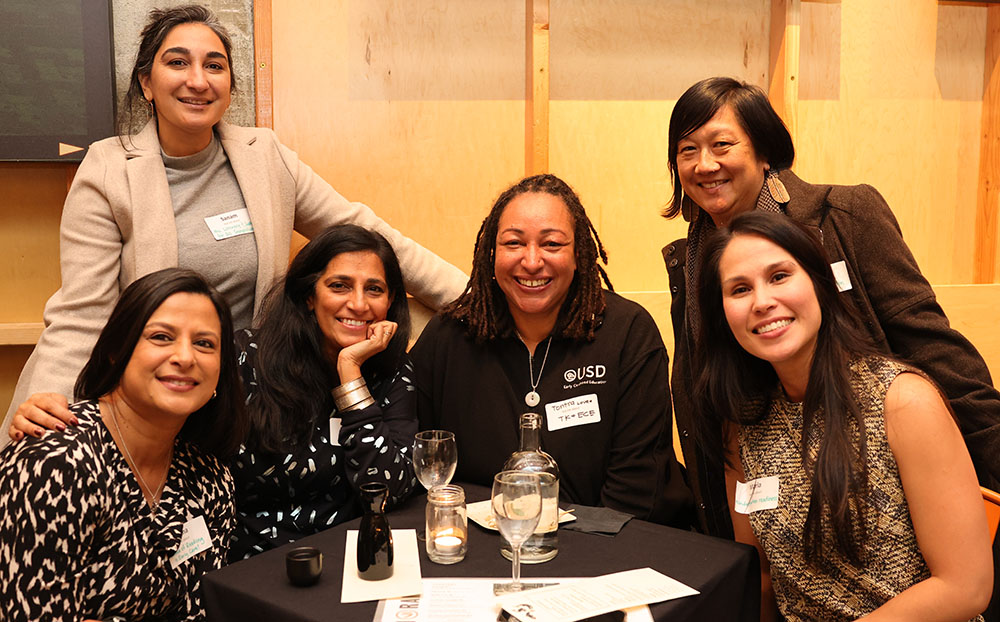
(230, 224)
(194, 539)
(335, 431)
(840, 276)
(757, 494)
(573, 412)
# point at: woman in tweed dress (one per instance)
(843, 467)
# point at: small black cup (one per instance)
(304, 564)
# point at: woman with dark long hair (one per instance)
(122, 514)
(843, 466)
(329, 392)
(186, 189)
(535, 331)
(328, 389)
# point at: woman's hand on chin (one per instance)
(39, 413)
(351, 358)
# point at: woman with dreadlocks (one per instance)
(535, 331)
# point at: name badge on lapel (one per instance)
(335, 423)
(840, 276)
(757, 494)
(230, 224)
(194, 539)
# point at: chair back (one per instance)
(992, 502)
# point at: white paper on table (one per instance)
(481, 513)
(405, 579)
(591, 597)
(465, 600)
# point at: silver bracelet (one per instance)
(351, 400)
(347, 387)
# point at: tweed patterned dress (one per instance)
(78, 540)
(832, 588)
(283, 497)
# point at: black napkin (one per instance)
(602, 521)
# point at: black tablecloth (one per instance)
(726, 573)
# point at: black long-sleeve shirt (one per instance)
(283, 497)
(622, 458)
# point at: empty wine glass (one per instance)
(435, 457)
(517, 507)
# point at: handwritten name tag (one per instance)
(572, 412)
(840, 276)
(194, 539)
(230, 224)
(757, 494)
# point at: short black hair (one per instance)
(216, 428)
(698, 104)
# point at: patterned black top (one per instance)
(78, 540)
(283, 497)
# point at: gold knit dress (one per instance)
(832, 588)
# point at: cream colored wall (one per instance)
(418, 109)
(414, 108)
(891, 95)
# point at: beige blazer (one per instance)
(118, 225)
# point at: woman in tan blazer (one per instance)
(119, 221)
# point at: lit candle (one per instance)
(448, 541)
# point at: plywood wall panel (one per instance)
(31, 198)
(651, 49)
(615, 155)
(416, 111)
(895, 124)
(617, 69)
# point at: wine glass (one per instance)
(435, 457)
(517, 507)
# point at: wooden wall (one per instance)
(421, 110)
(427, 110)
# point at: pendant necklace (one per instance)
(154, 497)
(531, 398)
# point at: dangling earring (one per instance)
(775, 187)
(214, 394)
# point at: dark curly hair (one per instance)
(483, 307)
(294, 377)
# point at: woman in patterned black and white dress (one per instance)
(338, 319)
(123, 513)
(328, 389)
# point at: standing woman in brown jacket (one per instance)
(729, 153)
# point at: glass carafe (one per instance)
(543, 544)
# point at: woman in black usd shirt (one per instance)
(92, 516)
(535, 331)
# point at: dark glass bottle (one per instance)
(374, 535)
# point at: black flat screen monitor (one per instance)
(56, 78)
